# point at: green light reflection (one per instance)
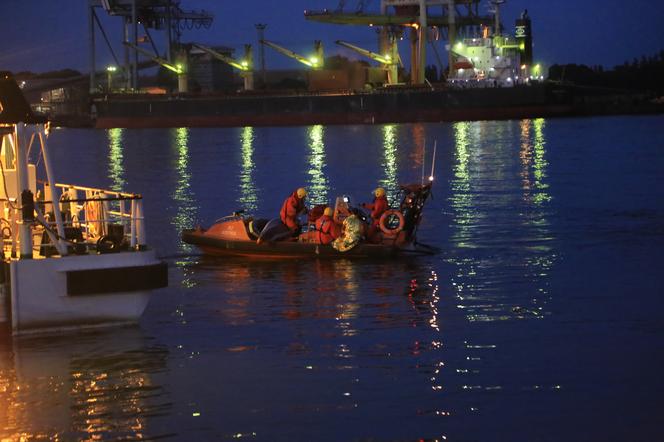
(248, 196)
(318, 183)
(533, 161)
(183, 196)
(115, 159)
(498, 201)
(390, 166)
(465, 213)
(540, 166)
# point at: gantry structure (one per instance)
(425, 19)
(160, 15)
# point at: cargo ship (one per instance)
(490, 75)
(389, 106)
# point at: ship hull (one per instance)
(389, 106)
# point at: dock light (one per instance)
(109, 76)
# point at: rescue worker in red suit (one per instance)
(378, 207)
(326, 229)
(293, 207)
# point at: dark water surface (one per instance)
(540, 320)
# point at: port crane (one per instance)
(391, 60)
(245, 66)
(316, 61)
(417, 16)
(159, 15)
(178, 68)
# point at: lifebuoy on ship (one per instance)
(386, 222)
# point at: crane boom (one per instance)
(242, 65)
(315, 62)
(245, 66)
(390, 60)
(385, 59)
(178, 69)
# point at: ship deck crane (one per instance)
(245, 66)
(390, 60)
(315, 61)
(178, 68)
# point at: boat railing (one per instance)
(103, 212)
(94, 217)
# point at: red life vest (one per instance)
(326, 229)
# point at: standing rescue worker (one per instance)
(292, 207)
(378, 207)
(326, 229)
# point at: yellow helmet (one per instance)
(328, 211)
(379, 192)
(301, 192)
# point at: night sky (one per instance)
(42, 35)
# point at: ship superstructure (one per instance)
(494, 60)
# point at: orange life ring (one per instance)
(382, 222)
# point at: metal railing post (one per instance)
(140, 225)
(132, 239)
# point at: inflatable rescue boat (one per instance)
(242, 235)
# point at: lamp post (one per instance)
(109, 76)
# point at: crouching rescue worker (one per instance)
(326, 229)
(293, 207)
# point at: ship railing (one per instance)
(92, 218)
(103, 213)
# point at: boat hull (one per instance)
(83, 291)
(215, 246)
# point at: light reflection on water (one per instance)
(115, 159)
(183, 196)
(101, 385)
(248, 194)
(517, 224)
(337, 350)
(390, 164)
(318, 183)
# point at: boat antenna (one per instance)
(433, 160)
(424, 158)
